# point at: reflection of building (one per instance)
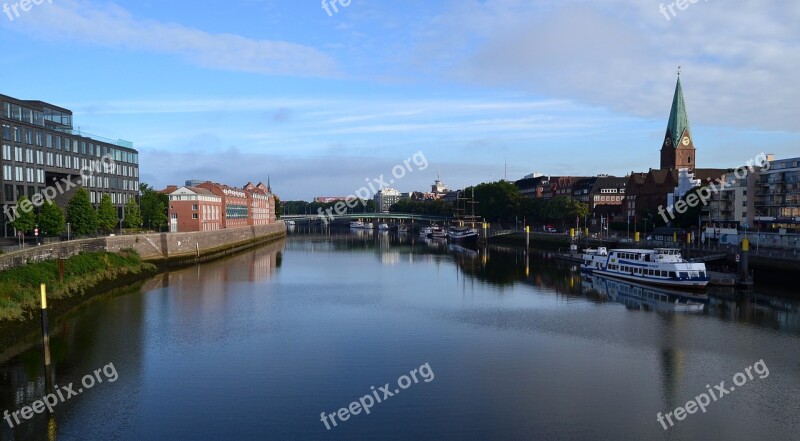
(41, 148)
(385, 198)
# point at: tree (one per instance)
(51, 220)
(278, 207)
(81, 214)
(495, 200)
(25, 220)
(133, 218)
(106, 214)
(153, 207)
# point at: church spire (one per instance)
(678, 150)
(678, 119)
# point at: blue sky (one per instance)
(240, 90)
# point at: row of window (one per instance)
(57, 142)
(14, 192)
(36, 117)
(31, 156)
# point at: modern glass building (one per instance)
(41, 149)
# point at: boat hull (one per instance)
(698, 283)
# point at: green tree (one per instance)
(51, 220)
(106, 214)
(496, 200)
(278, 207)
(153, 207)
(80, 213)
(133, 218)
(25, 220)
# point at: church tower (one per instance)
(678, 150)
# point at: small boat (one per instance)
(383, 227)
(425, 232)
(358, 225)
(463, 234)
(369, 226)
(438, 232)
(402, 229)
(290, 223)
(660, 266)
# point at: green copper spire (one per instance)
(678, 119)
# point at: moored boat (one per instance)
(438, 232)
(660, 266)
(463, 234)
(383, 227)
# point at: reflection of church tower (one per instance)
(678, 150)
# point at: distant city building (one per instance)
(777, 195)
(385, 198)
(41, 147)
(604, 190)
(646, 192)
(329, 199)
(210, 206)
(194, 209)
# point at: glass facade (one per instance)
(40, 147)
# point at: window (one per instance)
(18, 174)
(194, 215)
(6, 152)
(194, 207)
(29, 174)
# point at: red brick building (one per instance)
(262, 204)
(235, 202)
(194, 209)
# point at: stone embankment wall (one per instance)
(156, 247)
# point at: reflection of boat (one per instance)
(438, 232)
(383, 227)
(661, 266)
(463, 234)
(638, 295)
(458, 249)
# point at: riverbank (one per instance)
(538, 240)
(20, 287)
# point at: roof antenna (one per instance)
(679, 71)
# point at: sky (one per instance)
(485, 90)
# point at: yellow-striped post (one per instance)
(45, 331)
(637, 236)
(527, 237)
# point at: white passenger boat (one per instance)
(661, 266)
(358, 225)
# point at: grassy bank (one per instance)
(19, 287)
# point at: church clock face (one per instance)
(668, 142)
(686, 140)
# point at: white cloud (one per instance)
(115, 27)
(740, 60)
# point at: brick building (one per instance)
(262, 204)
(194, 209)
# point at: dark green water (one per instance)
(513, 347)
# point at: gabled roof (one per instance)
(678, 118)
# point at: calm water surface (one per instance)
(519, 347)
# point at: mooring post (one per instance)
(527, 237)
(744, 262)
(45, 334)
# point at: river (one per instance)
(435, 342)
